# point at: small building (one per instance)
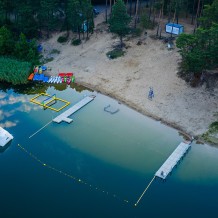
(174, 28)
(5, 137)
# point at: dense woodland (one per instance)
(23, 21)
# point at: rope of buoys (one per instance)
(70, 176)
(144, 191)
(40, 129)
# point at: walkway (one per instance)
(172, 160)
(65, 115)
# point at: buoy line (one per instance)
(70, 176)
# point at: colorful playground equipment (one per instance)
(37, 74)
(31, 76)
(49, 101)
(61, 78)
(67, 77)
(39, 69)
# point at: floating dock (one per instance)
(65, 115)
(5, 137)
(169, 164)
(172, 160)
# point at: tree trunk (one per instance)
(153, 16)
(169, 15)
(193, 9)
(186, 10)
(160, 32)
(130, 10)
(150, 4)
(196, 17)
(202, 8)
(87, 32)
(177, 17)
(106, 12)
(171, 34)
(48, 26)
(121, 41)
(79, 32)
(139, 9)
(158, 26)
(136, 12)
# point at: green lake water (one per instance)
(98, 162)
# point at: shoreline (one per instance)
(133, 106)
(128, 78)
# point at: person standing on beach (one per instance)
(150, 93)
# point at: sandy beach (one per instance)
(128, 78)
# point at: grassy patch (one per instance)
(46, 60)
(211, 136)
(14, 71)
(115, 53)
(214, 126)
(55, 51)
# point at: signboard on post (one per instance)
(174, 28)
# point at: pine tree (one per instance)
(6, 41)
(6, 7)
(119, 20)
(46, 14)
(210, 15)
(26, 50)
(74, 15)
(26, 22)
(87, 11)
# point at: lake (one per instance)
(98, 165)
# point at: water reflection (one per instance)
(2, 149)
(38, 87)
(16, 98)
(118, 154)
(29, 88)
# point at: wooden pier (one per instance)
(65, 115)
(172, 160)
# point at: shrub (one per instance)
(115, 53)
(214, 126)
(146, 23)
(76, 42)
(62, 39)
(136, 32)
(55, 51)
(26, 50)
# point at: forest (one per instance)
(22, 22)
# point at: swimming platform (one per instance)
(65, 115)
